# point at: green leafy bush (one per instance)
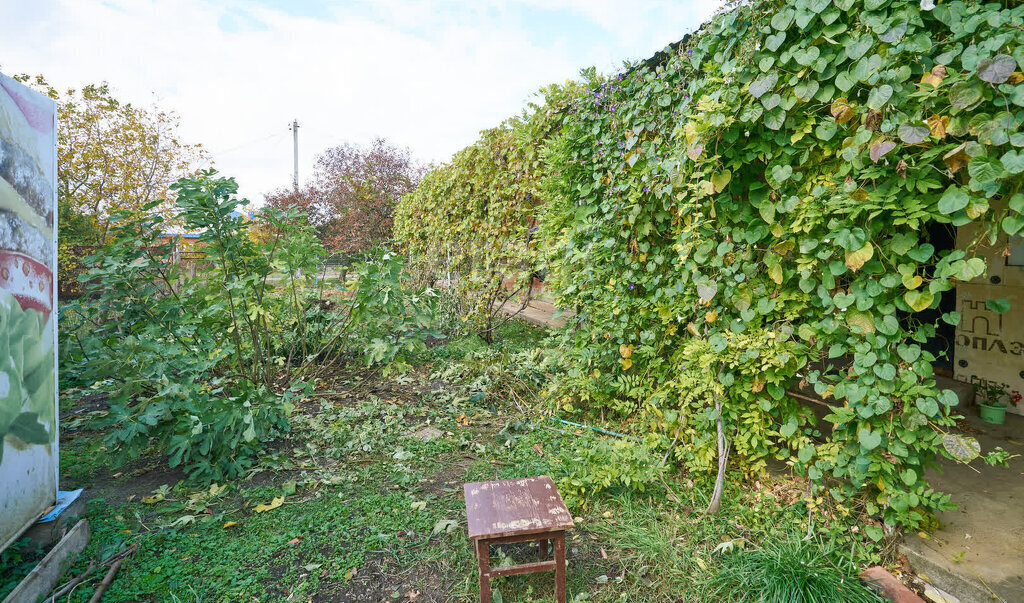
(607, 465)
(203, 369)
(394, 321)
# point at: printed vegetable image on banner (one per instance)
(28, 423)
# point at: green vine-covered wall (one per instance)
(472, 222)
(748, 217)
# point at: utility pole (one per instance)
(295, 138)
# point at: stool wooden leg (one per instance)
(483, 558)
(560, 567)
(543, 543)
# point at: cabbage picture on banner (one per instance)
(28, 312)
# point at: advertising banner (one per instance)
(28, 308)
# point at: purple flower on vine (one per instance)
(647, 189)
(632, 286)
(689, 53)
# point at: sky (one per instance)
(423, 74)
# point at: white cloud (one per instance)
(428, 74)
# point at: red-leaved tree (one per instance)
(353, 193)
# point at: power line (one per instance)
(250, 143)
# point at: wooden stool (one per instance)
(517, 510)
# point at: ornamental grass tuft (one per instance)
(787, 570)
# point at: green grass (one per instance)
(787, 570)
(362, 499)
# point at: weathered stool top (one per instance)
(515, 507)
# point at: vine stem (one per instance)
(723, 461)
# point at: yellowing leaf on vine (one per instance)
(721, 180)
(863, 321)
(710, 316)
(277, 502)
(937, 125)
(856, 259)
(596, 374)
(784, 247)
(692, 329)
(956, 159)
(775, 273)
(777, 229)
(708, 187)
(918, 300)
(935, 76)
(912, 281)
(626, 363)
(625, 350)
(690, 131)
(841, 110)
(1015, 78)
(976, 210)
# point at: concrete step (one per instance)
(935, 566)
(976, 554)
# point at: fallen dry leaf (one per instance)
(277, 502)
(295, 541)
(539, 450)
(604, 555)
(412, 595)
(230, 524)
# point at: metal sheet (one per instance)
(28, 329)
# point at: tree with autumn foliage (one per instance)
(113, 156)
(353, 194)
